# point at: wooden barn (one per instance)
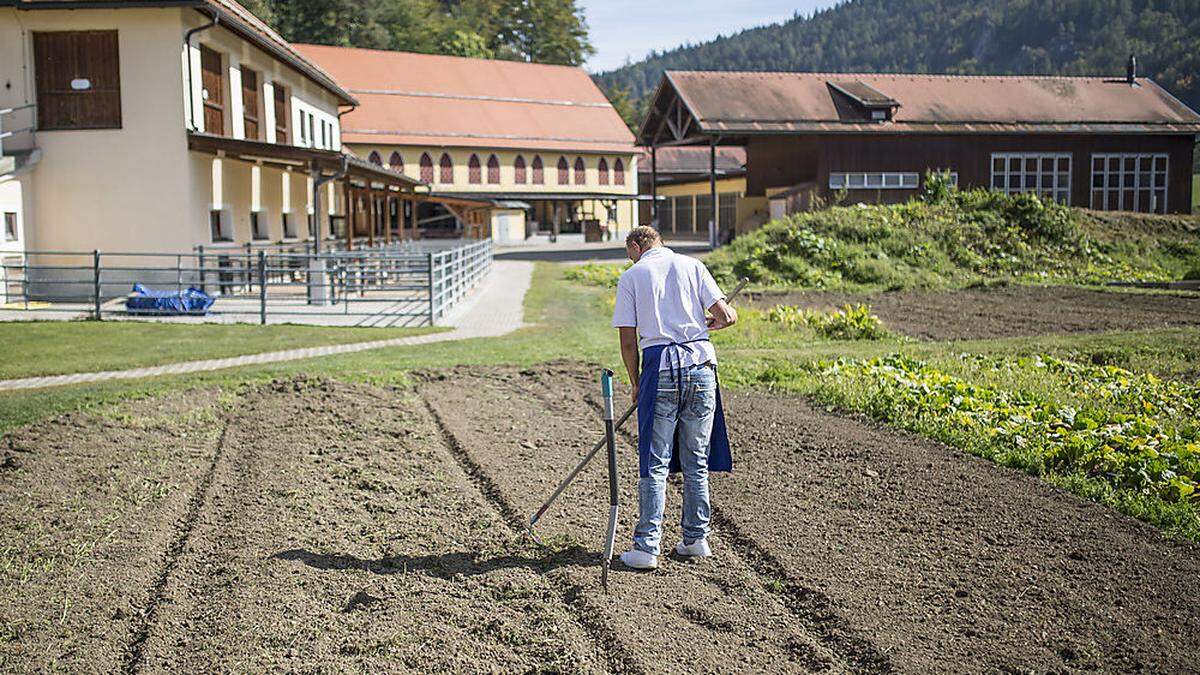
(1105, 143)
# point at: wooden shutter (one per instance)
(281, 113)
(213, 82)
(250, 98)
(78, 79)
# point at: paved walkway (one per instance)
(495, 308)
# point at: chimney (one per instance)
(1131, 71)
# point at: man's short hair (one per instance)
(643, 236)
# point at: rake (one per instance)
(610, 432)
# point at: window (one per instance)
(396, 162)
(426, 168)
(473, 176)
(519, 170)
(77, 74)
(312, 137)
(216, 223)
(580, 171)
(602, 167)
(619, 172)
(250, 104)
(493, 167)
(564, 171)
(256, 226)
(10, 226)
(289, 230)
(1047, 175)
(447, 169)
(375, 159)
(212, 90)
(281, 112)
(539, 176)
(840, 180)
(1129, 182)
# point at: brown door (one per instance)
(213, 92)
(250, 104)
(281, 113)
(78, 80)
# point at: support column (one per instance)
(350, 213)
(372, 216)
(387, 217)
(713, 229)
(654, 186)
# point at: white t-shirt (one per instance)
(665, 295)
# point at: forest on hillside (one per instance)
(542, 31)
(1051, 37)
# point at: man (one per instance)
(663, 300)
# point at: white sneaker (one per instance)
(697, 549)
(639, 560)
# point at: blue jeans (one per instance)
(686, 407)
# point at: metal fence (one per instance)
(409, 283)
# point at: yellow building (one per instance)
(539, 142)
(683, 192)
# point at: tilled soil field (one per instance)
(1013, 311)
(310, 525)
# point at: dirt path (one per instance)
(1008, 312)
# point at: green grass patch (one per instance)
(58, 347)
(960, 239)
(604, 275)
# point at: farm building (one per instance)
(1104, 143)
(165, 126)
(677, 178)
(541, 142)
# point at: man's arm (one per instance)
(629, 354)
(721, 315)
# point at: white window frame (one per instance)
(1059, 191)
(1113, 182)
(879, 180)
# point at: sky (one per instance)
(629, 29)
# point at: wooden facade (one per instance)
(78, 79)
(778, 161)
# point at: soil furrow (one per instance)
(572, 595)
(713, 615)
(145, 617)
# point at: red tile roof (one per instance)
(754, 102)
(424, 99)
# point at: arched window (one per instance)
(519, 170)
(446, 169)
(493, 170)
(580, 171)
(564, 171)
(375, 159)
(473, 170)
(396, 162)
(602, 167)
(539, 175)
(426, 168)
(618, 172)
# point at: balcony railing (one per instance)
(9, 128)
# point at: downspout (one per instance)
(187, 47)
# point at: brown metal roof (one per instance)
(692, 159)
(426, 99)
(234, 17)
(753, 103)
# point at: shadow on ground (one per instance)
(445, 565)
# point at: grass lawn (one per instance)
(38, 348)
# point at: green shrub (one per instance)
(597, 274)
(851, 322)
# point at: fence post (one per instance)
(200, 265)
(262, 287)
(96, 281)
(431, 293)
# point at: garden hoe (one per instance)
(612, 456)
(610, 439)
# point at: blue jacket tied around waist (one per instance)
(719, 456)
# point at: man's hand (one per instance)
(722, 315)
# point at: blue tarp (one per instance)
(145, 301)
